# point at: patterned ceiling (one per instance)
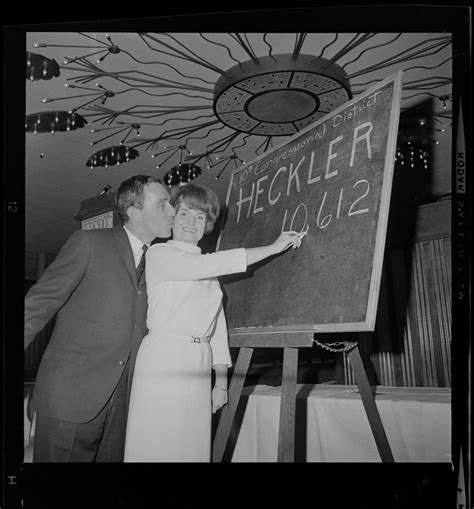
(213, 100)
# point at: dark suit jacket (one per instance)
(100, 323)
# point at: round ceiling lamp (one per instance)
(279, 95)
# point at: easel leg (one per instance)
(368, 401)
(228, 412)
(286, 432)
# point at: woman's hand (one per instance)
(219, 398)
(285, 240)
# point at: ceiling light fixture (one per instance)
(53, 121)
(39, 67)
(181, 173)
(112, 156)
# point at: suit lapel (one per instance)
(125, 250)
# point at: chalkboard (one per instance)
(334, 180)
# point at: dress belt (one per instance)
(203, 339)
(167, 335)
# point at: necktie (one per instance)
(141, 265)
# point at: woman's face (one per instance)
(189, 224)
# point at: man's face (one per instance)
(156, 216)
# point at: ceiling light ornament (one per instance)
(112, 156)
(205, 157)
(423, 127)
(110, 48)
(39, 67)
(106, 94)
(53, 121)
(445, 98)
(170, 152)
(226, 160)
(412, 157)
(117, 129)
(181, 173)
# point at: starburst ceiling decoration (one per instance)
(205, 100)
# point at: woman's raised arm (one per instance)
(283, 242)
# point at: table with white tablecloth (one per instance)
(332, 426)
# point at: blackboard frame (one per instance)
(368, 324)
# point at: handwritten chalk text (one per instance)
(269, 189)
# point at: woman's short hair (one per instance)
(130, 193)
(200, 198)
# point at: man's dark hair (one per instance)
(130, 193)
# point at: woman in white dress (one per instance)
(171, 398)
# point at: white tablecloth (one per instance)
(332, 426)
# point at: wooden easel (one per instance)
(290, 342)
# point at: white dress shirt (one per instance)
(137, 246)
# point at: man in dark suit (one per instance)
(97, 289)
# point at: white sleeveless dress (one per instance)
(170, 411)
